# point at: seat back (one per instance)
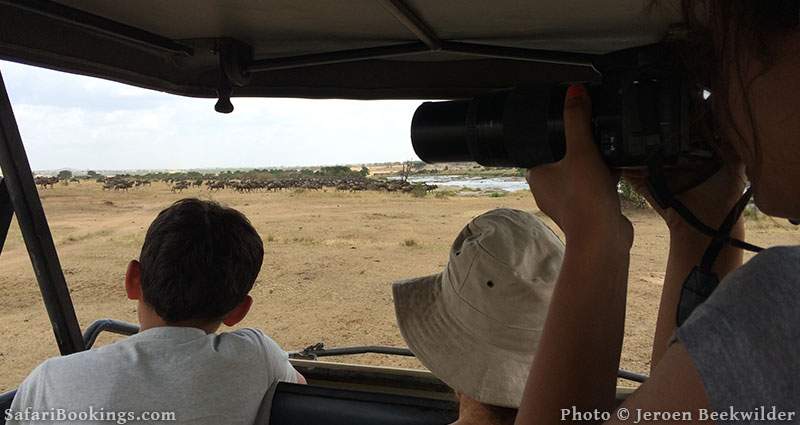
(5, 404)
(295, 404)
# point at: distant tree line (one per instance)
(254, 174)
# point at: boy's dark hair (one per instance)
(199, 260)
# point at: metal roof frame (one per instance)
(157, 62)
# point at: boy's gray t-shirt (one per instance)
(745, 339)
(203, 378)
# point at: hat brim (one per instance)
(454, 353)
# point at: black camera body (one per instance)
(640, 116)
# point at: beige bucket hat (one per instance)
(477, 324)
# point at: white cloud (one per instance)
(81, 122)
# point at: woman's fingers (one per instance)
(578, 120)
(577, 131)
(578, 192)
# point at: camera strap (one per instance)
(657, 185)
(701, 281)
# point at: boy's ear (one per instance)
(133, 280)
(239, 312)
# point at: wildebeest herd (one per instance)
(47, 182)
(122, 183)
(349, 183)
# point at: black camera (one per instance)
(641, 116)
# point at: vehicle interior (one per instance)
(361, 49)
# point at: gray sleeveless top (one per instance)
(745, 341)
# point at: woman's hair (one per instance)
(723, 38)
(726, 26)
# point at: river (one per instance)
(508, 184)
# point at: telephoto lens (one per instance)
(439, 131)
(520, 128)
(636, 122)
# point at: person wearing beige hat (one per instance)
(476, 325)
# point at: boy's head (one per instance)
(198, 263)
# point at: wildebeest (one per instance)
(45, 181)
(124, 185)
(215, 185)
(180, 186)
(116, 183)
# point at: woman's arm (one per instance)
(711, 202)
(674, 388)
(578, 355)
(686, 248)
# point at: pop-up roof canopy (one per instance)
(361, 49)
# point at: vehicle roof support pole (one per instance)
(413, 23)
(27, 206)
(127, 34)
(6, 212)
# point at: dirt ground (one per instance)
(330, 261)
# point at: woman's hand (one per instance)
(579, 192)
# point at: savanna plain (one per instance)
(331, 257)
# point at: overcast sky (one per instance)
(70, 121)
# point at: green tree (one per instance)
(364, 171)
(629, 195)
(64, 175)
(92, 174)
(335, 171)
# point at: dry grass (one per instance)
(327, 272)
(410, 243)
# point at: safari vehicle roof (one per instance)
(360, 49)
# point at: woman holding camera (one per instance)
(738, 351)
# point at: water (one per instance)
(508, 184)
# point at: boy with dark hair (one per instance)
(198, 263)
